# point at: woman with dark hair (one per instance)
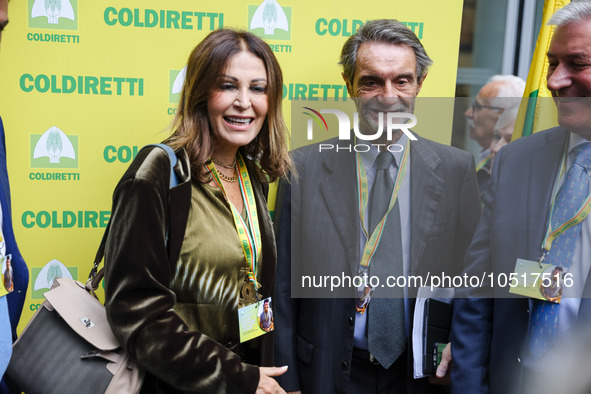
(181, 261)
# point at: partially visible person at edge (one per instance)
(176, 270)
(498, 94)
(505, 344)
(11, 304)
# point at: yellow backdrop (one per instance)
(87, 83)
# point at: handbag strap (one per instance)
(96, 275)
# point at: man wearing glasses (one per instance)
(490, 102)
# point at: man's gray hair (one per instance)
(510, 91)
(513, 86)
(575, 11)
(385, 31)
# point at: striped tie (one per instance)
(386, 338)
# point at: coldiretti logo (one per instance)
(270, 21)
(43, 277)
(53, 14)
(176, 81)
(54, 149)
(65, 219)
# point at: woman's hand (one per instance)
(268, 385)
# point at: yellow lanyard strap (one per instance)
(579, 216)
(483, 162)
(250, 236)
(373, 241)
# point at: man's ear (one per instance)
(349, 85)
(421, 82)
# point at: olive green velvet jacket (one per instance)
(139, 264)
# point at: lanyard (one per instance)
(250, 236)
(578, 217)
(373, 241)
(482, 163)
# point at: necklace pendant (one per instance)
(248, 294)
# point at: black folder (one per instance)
(436, 329)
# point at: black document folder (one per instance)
(436, 329)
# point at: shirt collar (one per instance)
(368, 158)
(574, 141)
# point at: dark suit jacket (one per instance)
(488, 335)
(318, 222)
(138, 269)
(16, 299)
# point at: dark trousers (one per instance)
(368, 377)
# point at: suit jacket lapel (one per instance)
(339, 190)
(269, 252)
(543, 169)
(426, 188)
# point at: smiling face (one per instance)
(238, 105)
(385, 80)
(569, 76)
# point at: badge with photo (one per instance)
(6, 284)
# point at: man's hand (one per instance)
(442, 376)
(268, 385)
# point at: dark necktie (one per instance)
(386, 336)
(571, 196)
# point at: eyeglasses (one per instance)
(476, 106)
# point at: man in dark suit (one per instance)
(336, 345)
(11, 304)
(498, 342)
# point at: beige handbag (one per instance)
(68, 347)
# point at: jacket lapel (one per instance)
(269, 252)
(339, 190)
(426, 188)
(543, 169)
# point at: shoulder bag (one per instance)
(68, 346)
